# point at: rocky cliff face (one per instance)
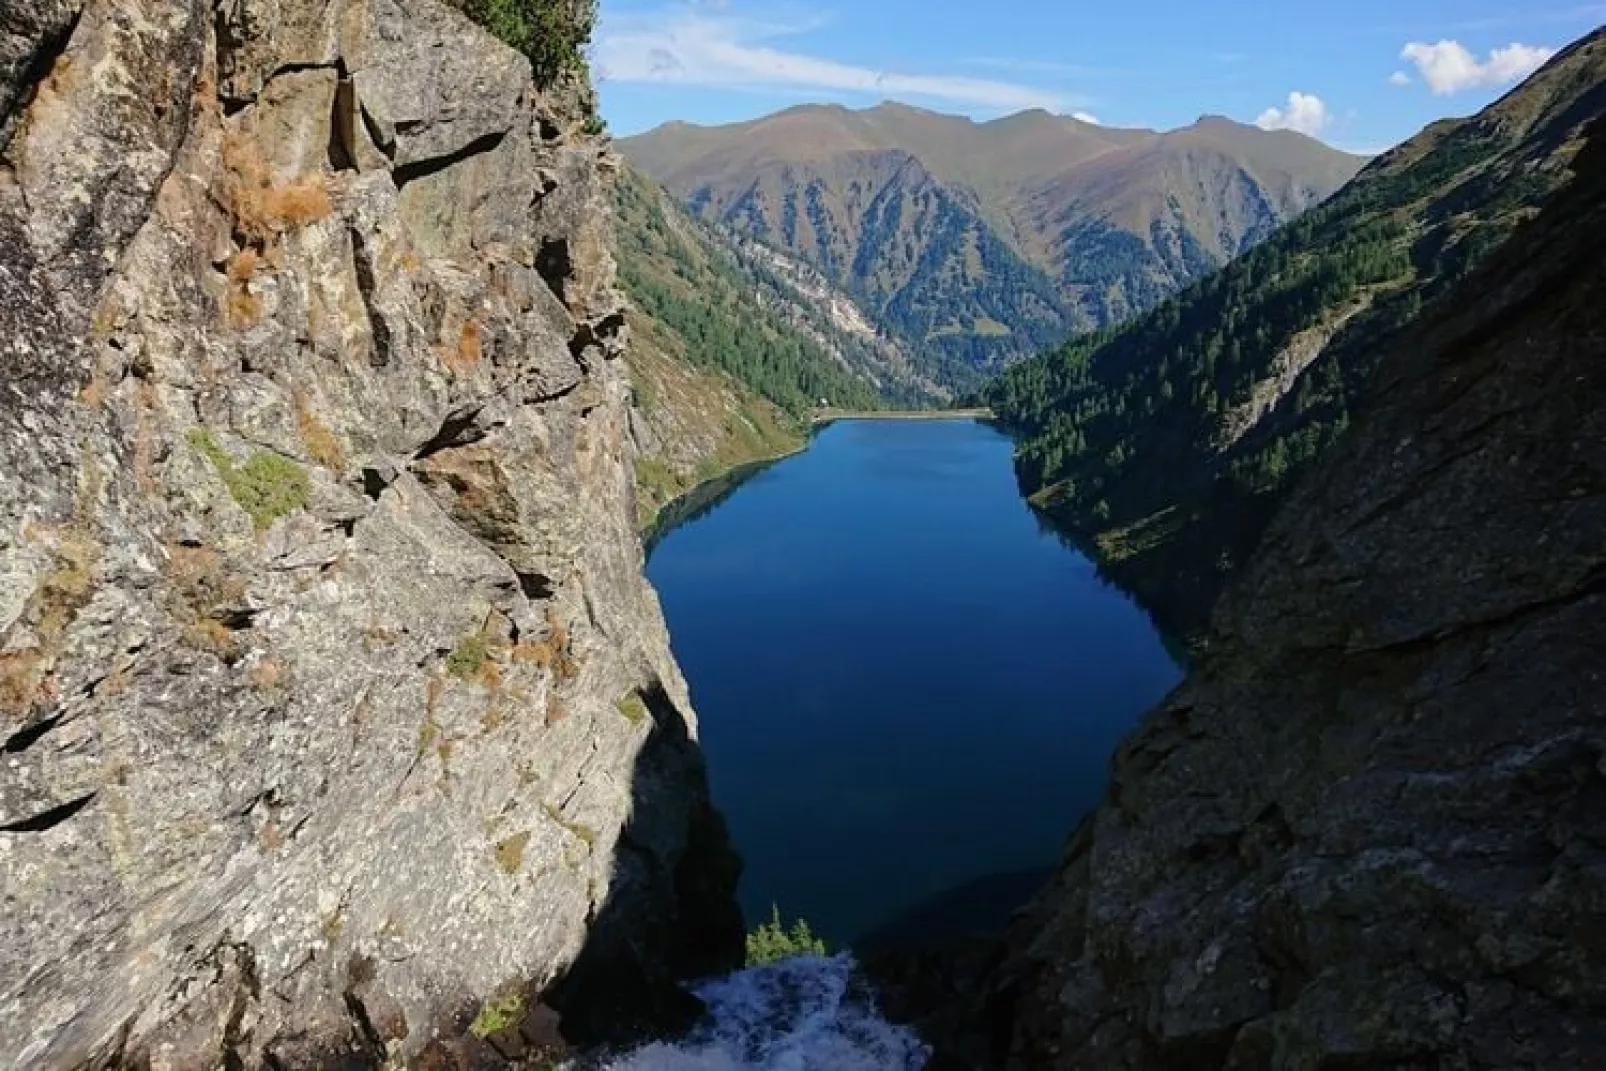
(332, 700)
(1368, 831)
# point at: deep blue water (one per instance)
(905, 684)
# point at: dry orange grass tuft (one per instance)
(145, 439)
(265, 675)
(66, 588)
(534, 653)
(493, 718)
(244, 307)
(21, 673)
(200, 577)
(322, 446)
(554, 652)
(210, 634)
(264, 210)
(465, 356)
(243, 265)
(205, 587)
(94, 393)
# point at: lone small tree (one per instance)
(772, 941)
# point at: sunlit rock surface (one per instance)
(332, 699)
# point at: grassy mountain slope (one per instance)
(978, 243)
(693, 424)
(728, 352)
(1166, 443)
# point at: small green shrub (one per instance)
(497, 1014)
(550, 32)
(772, 941)
(633, 709)
(469, 656)
(267, 486)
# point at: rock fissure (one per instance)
(403, 174)
(49, 819)
(367, 289)
(25, 738)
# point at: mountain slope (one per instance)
(691, 424)
(1135, 225)
(912, 251)
(1366, 833)
(767, 320)
(977, 243)
(1167, 443)
(731, 347)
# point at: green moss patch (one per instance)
(469, 656)
(510, 852)
(267, 486)
(632, 708)
(498, 1014)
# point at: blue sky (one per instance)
(1361, 75)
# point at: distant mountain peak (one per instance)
(976, 243)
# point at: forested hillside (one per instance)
(1167, 442)
(731, 349)
(722, 310)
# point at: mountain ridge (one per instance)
(977, 243)
(1164, 445)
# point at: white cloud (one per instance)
(700, 46)
(1399, 78)
(1448, 67)
(1086, 117)
(1035, 66)
(1304, 112)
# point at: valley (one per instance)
(828, 589)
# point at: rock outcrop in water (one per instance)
(1371, 829)
(332, 699)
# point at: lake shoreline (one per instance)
(829, 416)
(706, 493)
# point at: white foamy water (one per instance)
(802, 1014)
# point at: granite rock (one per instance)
(320, 594)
